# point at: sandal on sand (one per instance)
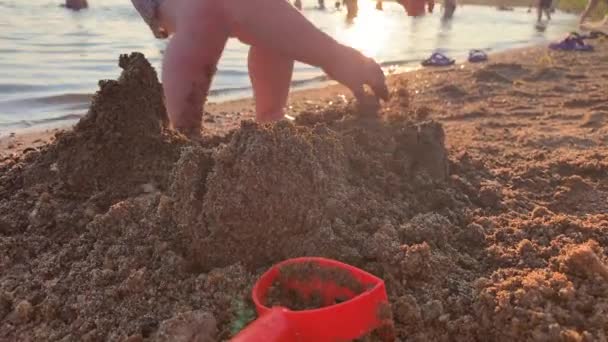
(571, 43)
(477, 56)
(438, 59)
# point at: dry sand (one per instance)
(479, 193)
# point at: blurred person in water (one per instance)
(543, 6)
(298, 4)
(76, 5)
(352, 9)
(277, 34)
(415, 8)
(449, 6)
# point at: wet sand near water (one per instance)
(479, 195)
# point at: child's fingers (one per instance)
(377, 81)
(381, 90)
(359, 93)
(378, 85)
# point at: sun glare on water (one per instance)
(367, 32)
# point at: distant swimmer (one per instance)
(76, 5)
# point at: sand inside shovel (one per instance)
(279, 294)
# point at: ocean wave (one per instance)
(40, 122)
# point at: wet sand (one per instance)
(479, 193)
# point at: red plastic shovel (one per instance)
(354, 315)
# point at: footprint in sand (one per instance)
(595, 119)
(488, 76)
(500, 73)
(577, 193)
(602, 108)
(576, 76)
(452, 91)
(582, 103)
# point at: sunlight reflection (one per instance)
(368, 31)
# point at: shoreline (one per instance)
(55, 119)
(226, 115)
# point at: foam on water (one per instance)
(51, 58)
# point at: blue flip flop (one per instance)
(438, 59)
(571, 43)
(477, 56)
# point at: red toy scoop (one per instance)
(318, 299)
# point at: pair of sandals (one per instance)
(574, 42)
(439, 59)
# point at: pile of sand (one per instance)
(122, 229)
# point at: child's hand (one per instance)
(355, 71)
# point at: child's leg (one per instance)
(270, 75)
(190, 61)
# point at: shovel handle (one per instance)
(271, 327)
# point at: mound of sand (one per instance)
(120, 211)
(281, 191)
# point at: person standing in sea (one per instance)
(449, 7)
(415, 8)
(76, 5)
(278, 35)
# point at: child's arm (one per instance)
(189, 64)
(278, 26)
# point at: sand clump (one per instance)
(122, 142)
(286, 191)
(281, 294)
(122, 230)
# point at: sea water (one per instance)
(51, 58)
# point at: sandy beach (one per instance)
(478, 193)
